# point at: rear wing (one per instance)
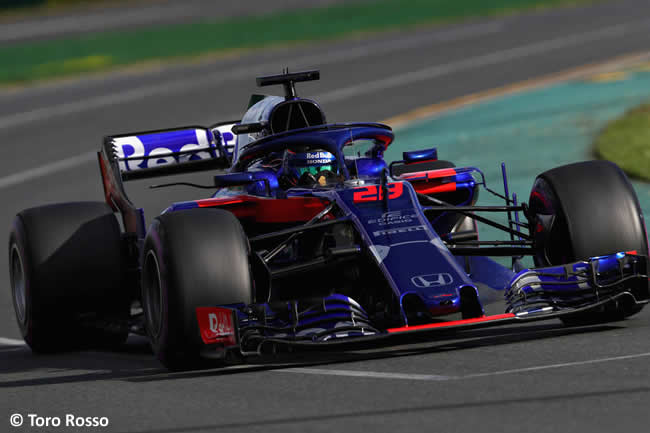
(150, 154)
(181, 150)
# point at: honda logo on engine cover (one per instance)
(432, 280)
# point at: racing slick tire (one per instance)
(65, 269)
(583, 210)
(192, 258)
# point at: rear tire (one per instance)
(65, 270)
(192, 258)
(584, 210)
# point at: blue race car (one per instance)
(310, 238)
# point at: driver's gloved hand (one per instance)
(327, 177)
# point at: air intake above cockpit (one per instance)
(295, 114)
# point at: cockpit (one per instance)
(287, 141)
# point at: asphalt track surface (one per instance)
(537, 378)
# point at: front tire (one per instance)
(192, 258)
(584, 210)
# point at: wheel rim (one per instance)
(18, 288)
(152, 296)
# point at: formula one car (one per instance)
(311, 239)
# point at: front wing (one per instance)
(534, 295)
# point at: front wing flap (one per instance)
(534, 295)
(578, 284)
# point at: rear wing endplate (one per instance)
(166, 152)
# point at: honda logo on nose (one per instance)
(432, 280)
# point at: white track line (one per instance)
(11, 342)
(371, 374)
(44, 170)
(552, 366)
(336, 95)
(183, 85)
(478, 62)
(439, 378)
(215, 77)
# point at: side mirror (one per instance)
(233, 179)
(416, 156)
(249, 128)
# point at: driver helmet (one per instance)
(303, 167)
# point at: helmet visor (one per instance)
(313, 169)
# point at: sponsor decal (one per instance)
(394, 217)
(319, 157)
(217, 325)
(432, 280)
(375, 192)
(398, 230)
(227, 137)
(137, 152)
(319, 161)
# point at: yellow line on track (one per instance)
(610, 66)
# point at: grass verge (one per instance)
(38, 60)
(626, 141)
